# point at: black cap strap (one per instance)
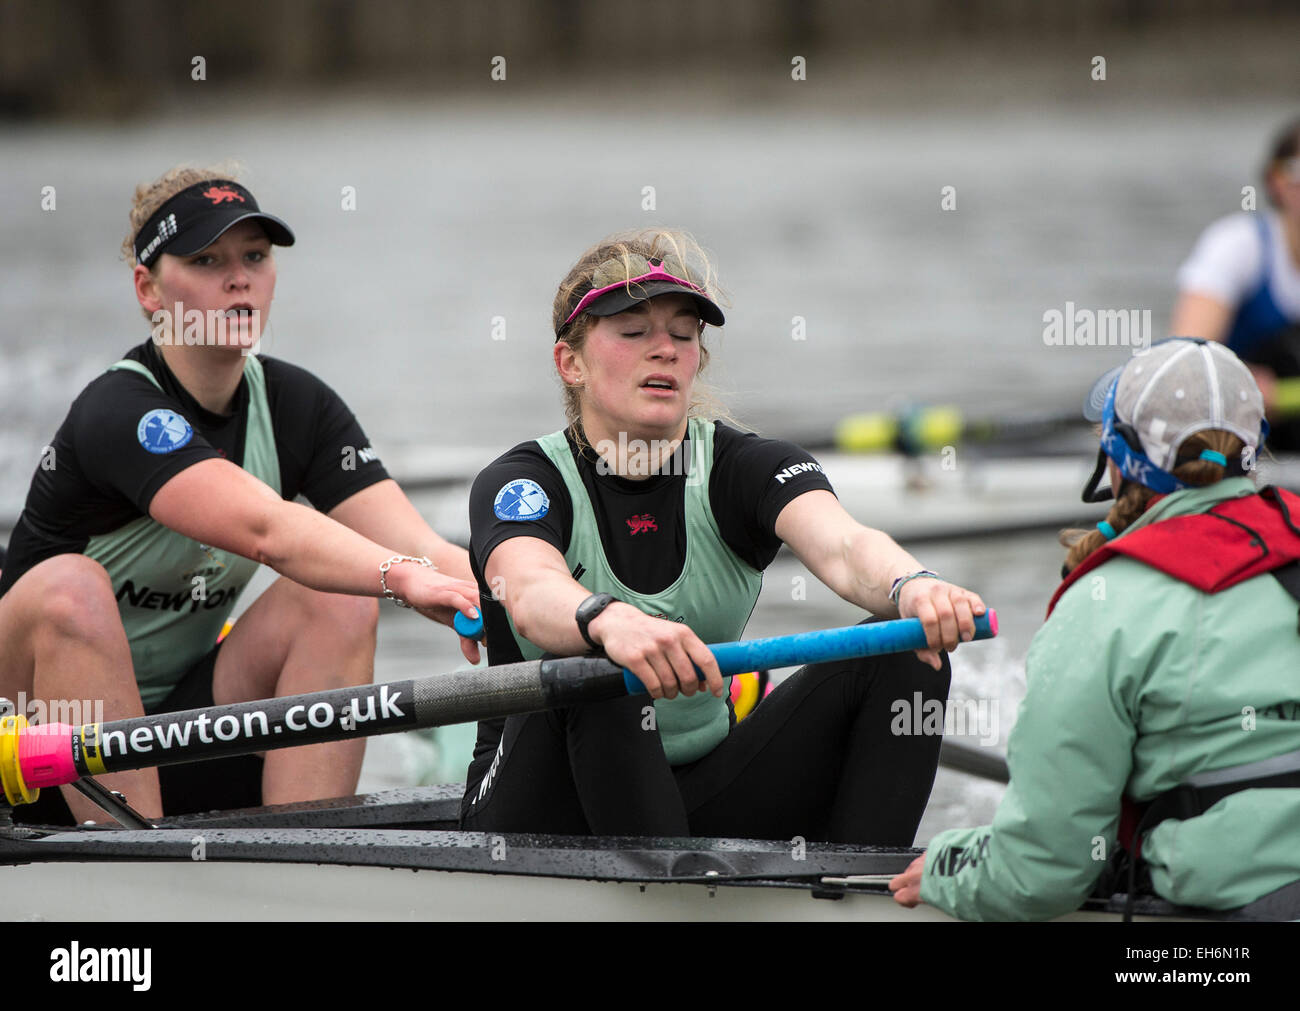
(1090, 492)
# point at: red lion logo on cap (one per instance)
(222, 194)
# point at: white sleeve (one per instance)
(1226, 262)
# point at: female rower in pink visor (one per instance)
(642, 529)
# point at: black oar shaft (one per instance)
(342, 713)
(974, 761)
(55, 754)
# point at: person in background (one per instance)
(1241, 284)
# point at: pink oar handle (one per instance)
(45, 755)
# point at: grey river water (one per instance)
(469, 211)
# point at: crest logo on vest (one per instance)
(163, 431)
(521, 501)
(641, 524)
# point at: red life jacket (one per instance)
(1235, 541)
(1232, 542)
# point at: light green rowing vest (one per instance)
(173, 593)
(714, 594)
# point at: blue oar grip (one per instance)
(873, 639)
(470, 628)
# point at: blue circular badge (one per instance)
(161, 431)
(521, 500)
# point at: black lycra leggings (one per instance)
(817, 759)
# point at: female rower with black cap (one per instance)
(1162, 694)
(642, 529)
(171, 478)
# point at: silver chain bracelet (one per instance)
(397, 560)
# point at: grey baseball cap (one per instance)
(1180, 387)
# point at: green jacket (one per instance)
(1136, 682)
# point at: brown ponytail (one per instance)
(1135, 498)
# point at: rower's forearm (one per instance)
(872, 560)
(451, 559)
(543, 612)
(310, 548)
(422, 541)
(383, 513)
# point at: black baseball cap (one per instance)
(199, 215)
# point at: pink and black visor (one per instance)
(197, 216)
(622, 282)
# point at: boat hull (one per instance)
(214, 892)
(396, 856)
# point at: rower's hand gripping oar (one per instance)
(470, 628)
(32, 757)
(791, 650)
(876, 639)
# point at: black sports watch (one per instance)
(588, 611)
